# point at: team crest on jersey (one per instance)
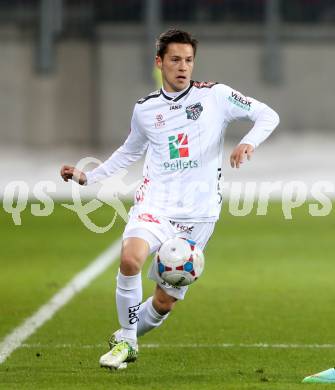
(194, 111)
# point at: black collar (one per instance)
(179, 96)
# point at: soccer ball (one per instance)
(179, 261)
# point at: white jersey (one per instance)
(183, 140)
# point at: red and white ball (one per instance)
(179, 261)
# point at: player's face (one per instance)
(176, 66)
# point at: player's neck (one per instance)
(173, 94)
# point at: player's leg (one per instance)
(129, 285)
(151, 314)
(156, 308)
(162, 302)
(128, 300)
(154, 311)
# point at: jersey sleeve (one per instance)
(236, 106)
(131, 151)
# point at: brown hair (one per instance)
(174, 36)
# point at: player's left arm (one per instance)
(240, 107)
(239, 153)
(265, 121)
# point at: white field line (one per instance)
(15, 339)
(220, 345)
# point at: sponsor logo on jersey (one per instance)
(176, 107)
(194, 111)
(182, 228)
(240, 101)
(180, 165)
(179, 150)
(141, 191)
(178, 146)
(160, 121)
(145, 217)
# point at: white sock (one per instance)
(148, 318)
(128, 301)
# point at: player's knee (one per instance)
(129, 264)
(133, 254)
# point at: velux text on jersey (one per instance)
(240, 101)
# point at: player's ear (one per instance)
(159, 62)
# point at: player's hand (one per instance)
(68, 172)
(239, 153)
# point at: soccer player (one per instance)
(181, 129)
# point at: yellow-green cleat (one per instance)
(327, 376)
(120, 354)
(116, 339)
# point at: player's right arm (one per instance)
(131, 151)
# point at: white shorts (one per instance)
(156, 230)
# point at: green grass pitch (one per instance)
(267, 280)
